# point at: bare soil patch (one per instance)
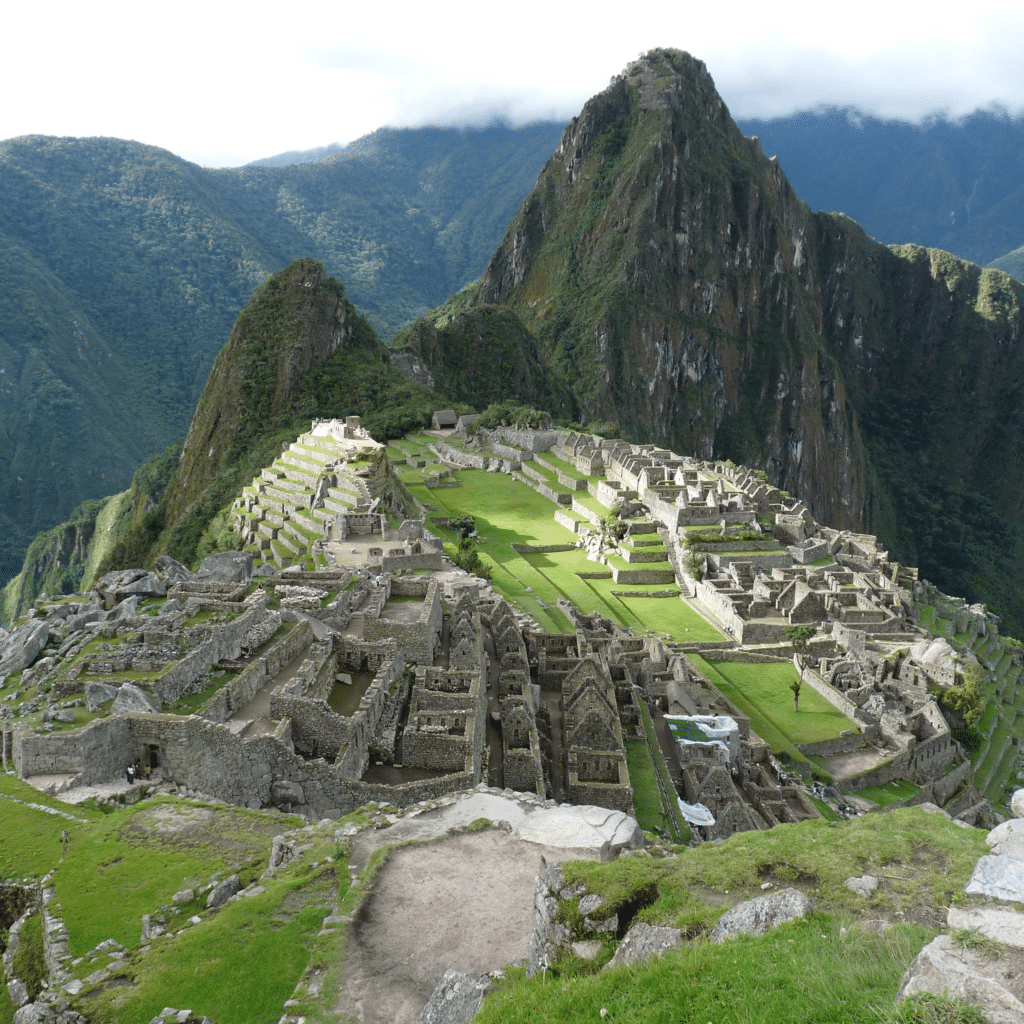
(464, 902)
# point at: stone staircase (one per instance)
(290, 504)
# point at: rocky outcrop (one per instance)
(990, 976)
(758, 916)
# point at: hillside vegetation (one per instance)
(123, 268)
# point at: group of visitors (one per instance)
(132, 772)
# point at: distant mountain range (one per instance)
(953, 185)
(122, 267)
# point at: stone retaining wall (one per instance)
(239, 691)
(830, 693)
(418, 639)
(540, 549)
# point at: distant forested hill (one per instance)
(123, 267)
(952, 185)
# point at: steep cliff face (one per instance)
(665, 266)
(675, 284)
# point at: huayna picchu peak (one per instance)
(671, 282)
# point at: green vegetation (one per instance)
(130, 862)
(762, 693)
(827, 964)
(891, 793)
(106, 242)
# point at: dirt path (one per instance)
(464, 902)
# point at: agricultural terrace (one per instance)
(128, 862)
(762, 693)
(508, 511)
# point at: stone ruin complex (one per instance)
(340, 660)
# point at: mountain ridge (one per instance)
(663, 255)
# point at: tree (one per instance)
(464, 526)
(799, 637)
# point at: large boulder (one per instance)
(171, 569)
(226, 567)
(22, 646)
(284, 792)
(122, 583)
(1017, 803)
(943, 967)
(456, 1000)
(597, 831)
(131, 699)
(758, 916)
(97, 693)
(1001, 878)
(643, 941)
(223, 892)
(1007, 839)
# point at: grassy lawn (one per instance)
(132, 862)
(508, 511)
(646, 796)
(891, 793)
(762, 692)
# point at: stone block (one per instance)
(758, 916)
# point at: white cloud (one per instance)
(224, 82)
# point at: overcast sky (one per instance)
(224, 83)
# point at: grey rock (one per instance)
(86, 617)
(930, 808)
(587, 949)
(171, 569)
(1016, 801)
(758, 916)
(17, 991)
(226, 567)
(1007, 839)
(285, 792)
(944, 967)
(170, 606)
(1002, 878)
(862, 885)
(128, 608)
(643, 941)
(65, 715)
(131, 699)
(98, 693)
(588, 904)
(31, 1013)
(223, 892)
(22, 646)
(122, 583)
(183, 897)
(456, 1000)
(609, 924)
(1004, 926)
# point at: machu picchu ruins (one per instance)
(342, 657)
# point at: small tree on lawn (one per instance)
(799, 637)
(464, 526)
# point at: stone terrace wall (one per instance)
(240, 690)
(100, 751)
(417, 639)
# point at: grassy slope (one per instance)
(762, 692)
(825, 968)
(129, 863)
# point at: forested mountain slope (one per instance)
(948, 184)
(123, 268)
